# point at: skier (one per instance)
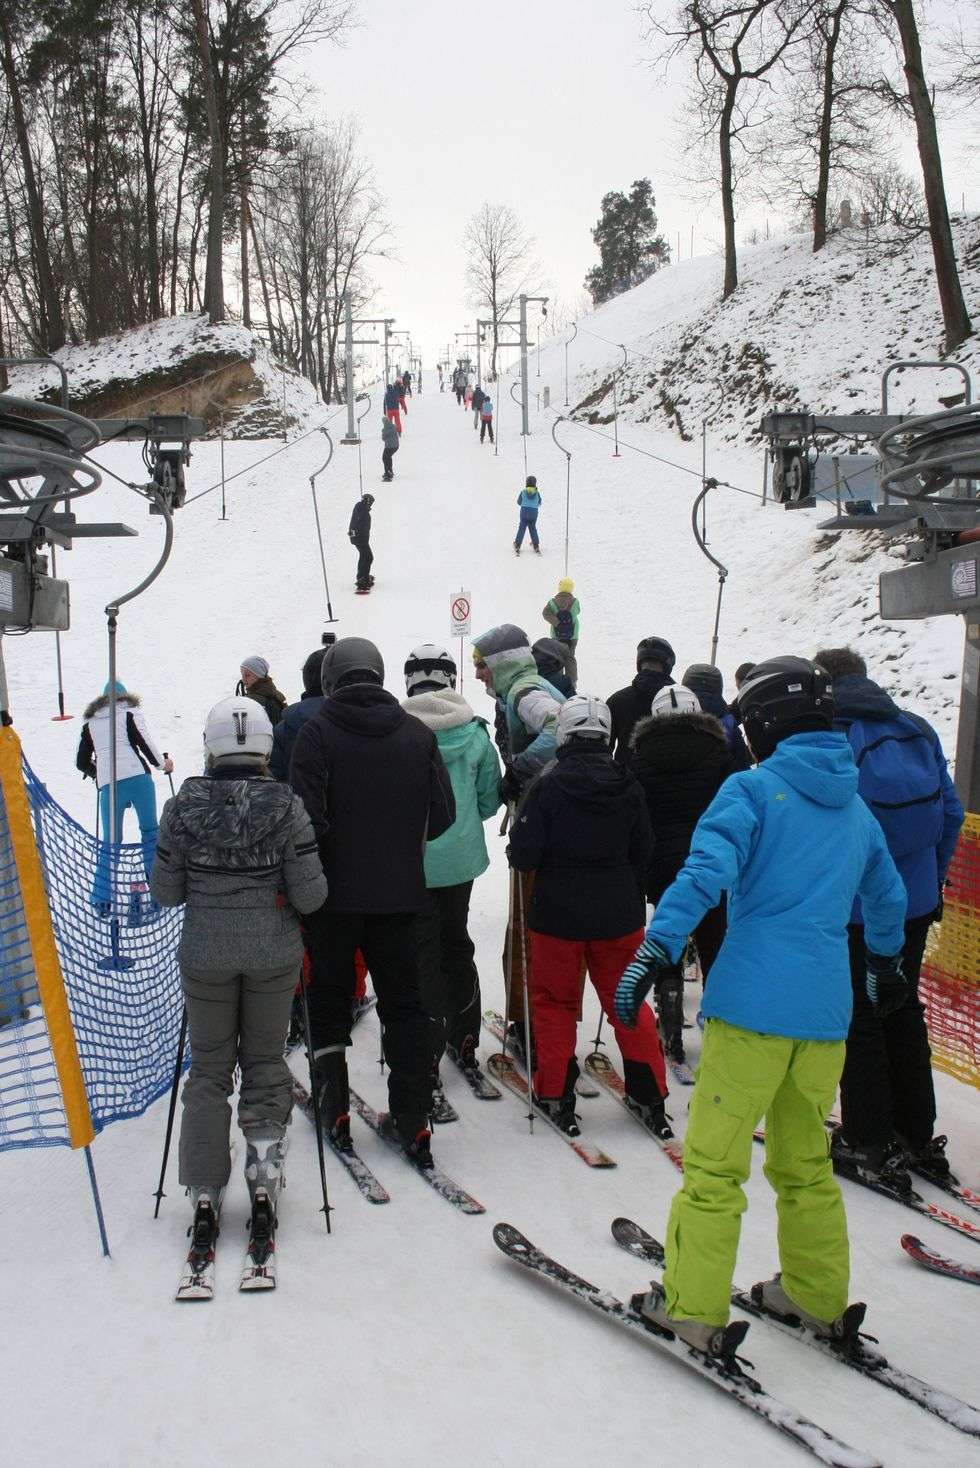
(681, 760)
(442, 385)
(468, 393)
(792, 844)
(706, 682)
(477, 403)
(393, 407)
(551, 658)
(359, 532)
(135, 753)
(376, 790)
(563, 613)
(888, 1100)
(237, 850)
(389, 440)
(449, 981)
(400, 394)
(407, 382)
(583, 830)
(256, 683)
(530, 707)
(654, 665)
(529, 500)
(459, 385)
(295, 715)
(486, 417)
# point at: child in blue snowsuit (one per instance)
(530, 502)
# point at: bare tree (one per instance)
(889, 195)
(499, 266)
(214, 283)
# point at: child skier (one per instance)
(583, 830)
(562, 613)
(792, 843)
(530, 503)
(486, 416)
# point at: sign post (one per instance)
(459, 623)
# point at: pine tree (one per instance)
(630, 249)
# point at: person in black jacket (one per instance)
(359, 531)
(551, 660)
(681, 759)
(256, 683)
(376, 789)
(583, 829)
(654, 664)
(295, 715)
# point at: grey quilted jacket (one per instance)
(238, 849)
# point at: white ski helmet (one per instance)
(675, 699)
(238, 727)
(586, 718)
(429, 666)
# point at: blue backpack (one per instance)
(898, 780)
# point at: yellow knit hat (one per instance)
(566, 584)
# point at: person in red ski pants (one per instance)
(583, 829)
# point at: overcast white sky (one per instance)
(544, 105)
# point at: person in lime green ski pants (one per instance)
(791, 844)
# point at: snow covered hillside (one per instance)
(405, 1337)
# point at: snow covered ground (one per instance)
(405, 1337)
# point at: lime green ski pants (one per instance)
(742, 1077)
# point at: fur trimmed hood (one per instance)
(446, 709)
(670, 726)
(130, 700)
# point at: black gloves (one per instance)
(885, 984)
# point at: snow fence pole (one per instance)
(362, 397)
(172, 1111)
(568, 480)
(722, 570)
(316, 515)
(522, 938)
(98, 1202)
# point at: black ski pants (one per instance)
(387, 941)
(887, 1086)
(365, 560)
(448, 978)
(386, 457)
(486, 426)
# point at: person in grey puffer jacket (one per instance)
(237, 848)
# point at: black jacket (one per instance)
(583, 828)
(360, 523)
(632, 704)
(681, 761)
(285, 732)
(265, 692)
(478, 398)
(376, 789)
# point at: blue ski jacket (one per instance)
(392, 400)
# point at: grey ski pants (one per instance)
(233, 1019)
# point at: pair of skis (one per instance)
(197, 1280)
(726, 1371)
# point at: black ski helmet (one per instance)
(703, 678)
(531, 481)
(780, 692)
(655, 650)
(351, 660)
(369, 499)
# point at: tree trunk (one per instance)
(826, 126)
(243, 224)
(262, 281)
(52, 318)
(175, 238)
(728, 189)
(214, 286)
(955, 319)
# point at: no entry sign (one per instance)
(459, 614)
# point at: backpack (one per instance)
(899, 782)
(565, 625)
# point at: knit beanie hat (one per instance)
(255, 665)
(566, 584)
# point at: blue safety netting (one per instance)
(119, 961)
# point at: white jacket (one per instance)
(135, 749)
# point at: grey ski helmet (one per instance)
(583, 717)
(655, 650)
(351, 660)
(429, 666)
(780, 692)
(703, 678)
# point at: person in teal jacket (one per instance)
(529, 501)
(792, 844)
(449, 980)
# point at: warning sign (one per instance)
(459, 614)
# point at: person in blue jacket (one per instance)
(792, 843)
(529, 500)
(295, 715)
(888, 1100)
(393, 405)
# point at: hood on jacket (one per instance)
(241, 812)
(363, 709)
(507, 653)
(819, 765)
(684, 739)
(128, 700)
(311, 674)
(590, 776)
(265, 688)
(442, 709)
(856, 697)
(712, 703)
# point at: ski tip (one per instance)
(510, 1239)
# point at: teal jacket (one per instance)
(460, 854)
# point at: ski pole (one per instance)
(169, 775)
(522, 937)
(160, 1194)
(597, 1042)
(315, 1099)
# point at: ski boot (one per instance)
(536, 549)
(721, 1341)
(465, 1059)
(441, 1109)
(561, 1109)
(333, 1094)
(653, 1117)
(516, 1046)
(669, 997)
(930, 1162)
(884, 1165)
(198, 1280)
(517, 549)
(262, 1239)
(412, 1135)
(643, 1098)
(265, 1155)
(843, 1332)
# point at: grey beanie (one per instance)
(255, 665)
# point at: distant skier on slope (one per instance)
(389, 441)
(393, 406)
(793, 844)
(564, 615)
(529, 501)
(654, 665)
(477, 402)
(359, 534)
(486, 416)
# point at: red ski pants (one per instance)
(556, 966)
(396, 418)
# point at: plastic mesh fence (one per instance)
(120, 972)
(950, 985)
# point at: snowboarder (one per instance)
(257, 683)
(407, 382)
(389, 440)
(563, 613)
(654, 665)
(551, 658)
(888, 1100)
(583, 830)
(135, 753)
(681, 760)
(449, 981)
(376, 790)
(706, 682)
(793, 844)
(359, 532)
(295, 715)
(486, 416)
(529, 501)
(237, 850)
(393, 407)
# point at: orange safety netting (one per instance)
(950, 985)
